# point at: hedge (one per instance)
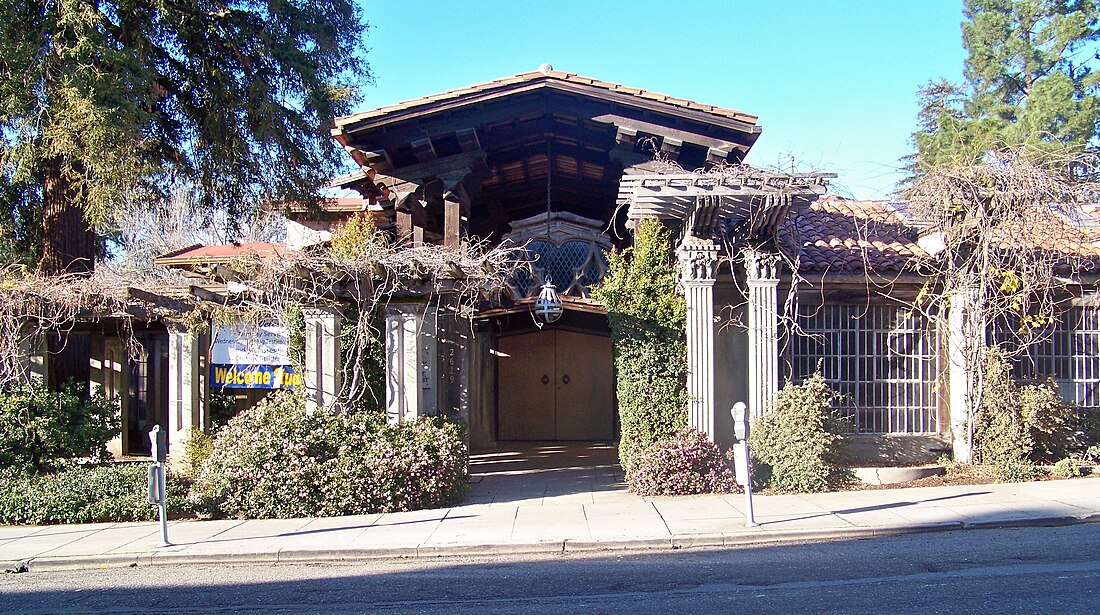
(85, 494)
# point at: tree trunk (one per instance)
(68, 246)
(68, 242)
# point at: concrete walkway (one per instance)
(530, 504)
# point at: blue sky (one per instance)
(834, 82)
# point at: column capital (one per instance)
(761, 267)
(698, 260)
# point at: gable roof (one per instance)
(551, 78)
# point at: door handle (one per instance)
(545, 379)
(565, 379)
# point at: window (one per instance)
(1070, 355)
(880, 358)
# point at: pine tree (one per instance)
(1029, 80)
(108, 101)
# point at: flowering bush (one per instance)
(276, 460)
(684, 464)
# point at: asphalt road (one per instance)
(1025, 570)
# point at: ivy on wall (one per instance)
(647, 314)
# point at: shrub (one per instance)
(41, 429)
(277, 460)
(1014, 470)
(798, 445)
(646, 313)
(1024, 424)
(1066, 468)
(685, 464)
(196, 450)
(85, 494)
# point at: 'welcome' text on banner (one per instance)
(254, 377)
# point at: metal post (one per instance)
(157, 494)
(741, 459)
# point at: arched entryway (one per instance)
(555, 384)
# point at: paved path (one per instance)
(546, 510)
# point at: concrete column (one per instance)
(186, 389)
(698, 264)
(322, 358)
(454, 349)
(411, 387)
(762, 276)
(961, 341)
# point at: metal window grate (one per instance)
(1070, 355)
(879, 358)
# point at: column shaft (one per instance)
(763, 316)
(322, 358)
(698, 262)
(186, 390)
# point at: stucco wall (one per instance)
(731, 351)
(896, 449)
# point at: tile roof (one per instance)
(841, 235)
(535, 77)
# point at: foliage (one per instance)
(196, 450)
(647, 315)
(1029, 80)
(41, 429)
(798, 446)
(102, 101)
(277, 460)
(363, 352)
(684, 464)
(352, 240)
(1019, 423)
(1067, 468)
(1014, 470)
(85, 494)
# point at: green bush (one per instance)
(196, 450)
(647, 314)
(798, 445)
(1067, 468)
(1014, 470)
(1020, 423)
(85, 494)
(41, 429)
(276, 460)
(685, 464)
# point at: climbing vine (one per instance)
(647, 315)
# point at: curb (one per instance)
(743, 538)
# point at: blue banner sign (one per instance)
(225, 376)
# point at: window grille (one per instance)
(574, 266)
(880, 358)
(1070, 355)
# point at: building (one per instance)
(562, 165)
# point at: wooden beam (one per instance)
(682, 136)
(423, 150)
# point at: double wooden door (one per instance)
(555, 385)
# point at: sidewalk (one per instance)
(555, 511)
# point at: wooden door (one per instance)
(525, 404)
(555, 385)
(585, 387)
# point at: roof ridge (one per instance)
(536, 76)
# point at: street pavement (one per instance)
(583, 507)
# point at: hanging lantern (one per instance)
(548, 305)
